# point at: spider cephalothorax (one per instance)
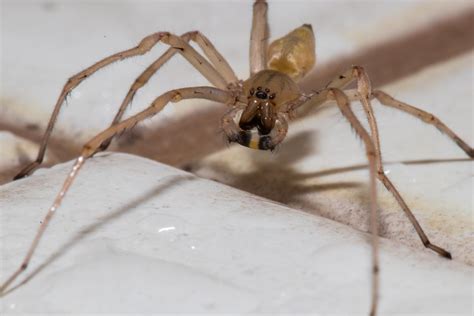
(261, 119)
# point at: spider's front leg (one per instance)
(426, 117)
(364, 89)
(343, 103)
(208, 93)
(364, 95)
(212, 54)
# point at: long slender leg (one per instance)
(360, 74)
(145, 45)
(139, 82)
(259, 37)
(426, 117)
(333, 92)
(91, 147)
(343, 103)
(217, 60)
(365, 92)
(253, 139)
(197, 60)
(365, 95)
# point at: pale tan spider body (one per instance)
(266, 96)
(269, 95)
(259, 109)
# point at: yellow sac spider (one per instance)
(258, 108)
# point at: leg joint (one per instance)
(381, 173)
(192, 35)
(358, 70)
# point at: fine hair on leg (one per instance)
(218, 73)
(259, 37)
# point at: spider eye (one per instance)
(267, 90)
(261, 95)
(272, 96)
(252, 91)
(259, 88)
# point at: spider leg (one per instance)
(344, 79)
(426, 117)
(333, 92)
(217, 60)
(208, 93)
(145, 45)
(364, 95)
(343, 104)
(259, 37)
(364, 89)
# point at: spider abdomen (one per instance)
(293, 54)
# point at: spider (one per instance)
(259, 108)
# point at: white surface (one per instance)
(137, 236)
(17, 150)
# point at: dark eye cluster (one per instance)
(262, 93)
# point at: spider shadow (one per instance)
(275, 176)
(279, 177)
(90, 229)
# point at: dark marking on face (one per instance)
(243, 138)
(261, 95)
(265, 143)
(248, 125)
